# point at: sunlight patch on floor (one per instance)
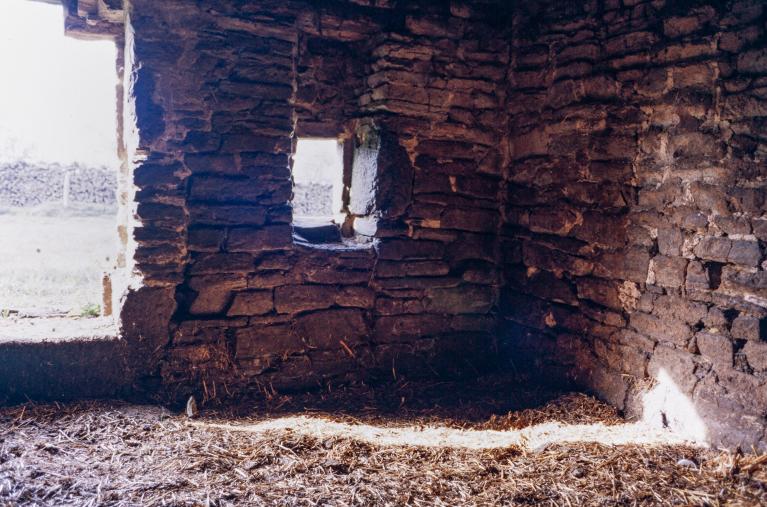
(535, 437)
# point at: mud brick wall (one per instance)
(229, 302)
(634, 226)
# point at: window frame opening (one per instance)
(355, 226)
(335, 230)
(327, 228)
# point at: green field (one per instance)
(54, 264)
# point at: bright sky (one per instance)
(57, 94)
(318, 161)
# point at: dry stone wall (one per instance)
(573, 189)
(221, 90)
(635, 217)
(24, 185)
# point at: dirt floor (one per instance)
(407, 444)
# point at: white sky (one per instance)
(57, 94)
(318, 161)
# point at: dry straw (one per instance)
(117, 454)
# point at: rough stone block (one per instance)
(205, 239)
(756, 355)
(759, 227)
(222, 263)
(255, 341)
(749, 328)
(631, 265)
(745, 283)
(396, 249)
(301, 298)
(559, 221)
(223, 214)
(252, 303)
(716, 348)
(693, 76)
(753, 61)
(204, 331)
(230, 190)
(540, 256)
(475, 220)
(678, 364)
(600, 291)
(211, 163)
(325, 329)
(548, 286)
(678, 307)
(404, 327)
(697, 277)
(355, 297)
(246, 239)
(746, 253)
(213, 292)
(161, 214)
(386, 269)
(670, 240)
(667, 271)
(713, 248)
(396, 306)
(532, 143)
(663, 330)
(462, 299)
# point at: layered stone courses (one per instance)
(637, 134)
(576, 188)
(226, 88)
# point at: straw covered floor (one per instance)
(403, 444)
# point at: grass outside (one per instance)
(54, 263)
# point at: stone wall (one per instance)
(24, 185)
(313, 199)
(220, 89)
(635, 219)
(572, 189)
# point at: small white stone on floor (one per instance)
(191, 407)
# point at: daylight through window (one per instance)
(318, 168)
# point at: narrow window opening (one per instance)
(319, 211)
(59, 168)
(334, 190)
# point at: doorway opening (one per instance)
(59, 168)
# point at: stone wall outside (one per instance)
(24, 185)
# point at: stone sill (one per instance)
(57, 329)
(323, 233)
(346, 245)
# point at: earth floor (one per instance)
(486, 442)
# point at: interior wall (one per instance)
(229, 302)
(575, 190)
(635, 220)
